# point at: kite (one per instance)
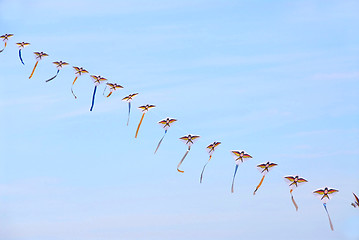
(78, 72)
(5, 38)
(294, 182)
(97, 81)
(39, 56)
(188, 140)
(264, 168)
(356, 202)
(210, 149)
(21, 46)
(240, 157)
(113, 87)
(324, 194)
(165, 124)
(144, 109)
(59, 66)
(129, 100)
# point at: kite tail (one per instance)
(330, 221)
(33, 70)
(2, 50)
(93, 98)
(160, 141)
(21, 57)
(204, 168)
(5, 45)
(48, 80)
(129, 110)
(234, 175)
(139, 125)
(109, 94)
(185, 155)
(72, 91)
(260, 183)
(293, 201)
(104, 91)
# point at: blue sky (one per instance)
(279, 79)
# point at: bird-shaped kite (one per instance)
(210, 149)
(239, 156)
(21, 46)
(165, 124)
(324, 194)
(79, 71)
(113, 87)
(97, 80)
(144, 109)
(59, 66)
(356, 202)
(264, 168)
(294, 182)
(5, 38)
(129, 99)
(39, 56)
(188, 140)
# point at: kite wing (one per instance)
(325, 194)
(294, 181)
(167, 123)
(356, 202)
(264, 168)
(240, 156)
(211, 147)
(189, 139)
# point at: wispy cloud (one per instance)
(336, 76)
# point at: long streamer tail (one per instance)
(21, 57)
(48, 80)
(179, 164)
(109, 94)
(33, 70)
(3, 48)
(293, 201)
(160, 141)
(260, 183)
(139, 125)
(330, 221)
(234, 175)
(93, 98)
(72, 91)
(104, 91)
(200, 180)
(129, 111)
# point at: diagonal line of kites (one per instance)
(239, 156)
